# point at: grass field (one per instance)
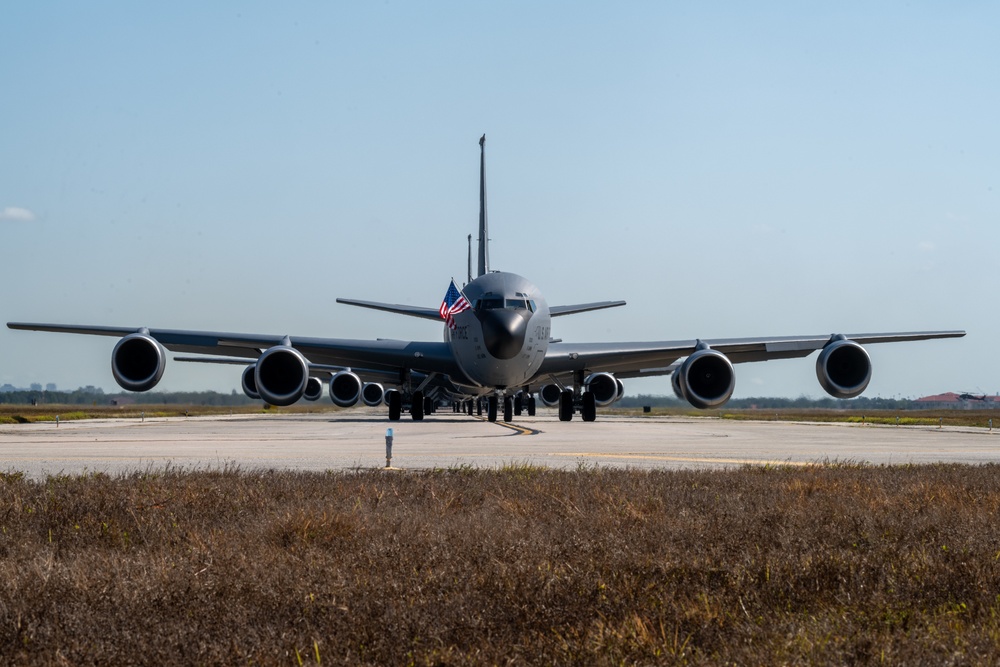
(820, 565)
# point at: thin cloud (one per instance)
(926, 246)
(17, 214)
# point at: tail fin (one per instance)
(484, 237)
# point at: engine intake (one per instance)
(372, 393)
(137, 362)
(604, 387)
(250, 383)
(843, 368)
(281, 375)
(345, 389)
(314, 389)
(549, 395)
(706, 379)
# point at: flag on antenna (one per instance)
(454, 302)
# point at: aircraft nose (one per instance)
(503, 332)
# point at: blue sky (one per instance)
(728, 169)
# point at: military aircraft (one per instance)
(497, 350)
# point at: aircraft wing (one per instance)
(412, 311)
(376, 355)
(658, 358)
(556, 311)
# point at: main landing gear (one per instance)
(588, 406)
(420, 405)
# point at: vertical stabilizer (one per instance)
(484, 237)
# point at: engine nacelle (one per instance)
(604, 387)
(706, 379)
(843, 368)
(675, 383)
(281, 375)
(249, 382)
(388, 394)
(314, 389)
(345, 389)
(372, 393)
(549, 395)
(137, 362)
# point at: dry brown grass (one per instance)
(822, 565)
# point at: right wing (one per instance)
(412, 311)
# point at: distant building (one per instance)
(36, 386)
(954, 400)
(51, 387)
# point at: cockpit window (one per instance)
(496, 303)
(489, 303)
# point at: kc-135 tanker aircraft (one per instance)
(497, 351)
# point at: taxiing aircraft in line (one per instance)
(497, 350)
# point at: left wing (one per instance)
(635, 359)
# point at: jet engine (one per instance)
(345, 389)
(314, 389)
(250, 383)
(371, 394)
(706, 379)
(137, 362)
(843, 368)
(604, 387)
(549, 395)
(281, 375)
(386, 397)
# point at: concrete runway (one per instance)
(356, 438)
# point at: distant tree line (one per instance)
(802, 402)
(96, 396)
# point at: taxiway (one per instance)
(356, 439)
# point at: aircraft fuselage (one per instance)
(501, 340)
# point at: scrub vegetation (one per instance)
(835, 564)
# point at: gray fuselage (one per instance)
(501, 340)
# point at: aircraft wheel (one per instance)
(589, 409)
(417, 406)
(566, 406)
(479, 407)
(518, 405)
(531, 406)
(508, 408)
(395, 406)
(492, 409)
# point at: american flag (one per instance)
(454, 303)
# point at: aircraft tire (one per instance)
(417, 406)
(508, 408)
(492, 409)
(566, 406)
(395, 406)
(589, 408)
(531, 406)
